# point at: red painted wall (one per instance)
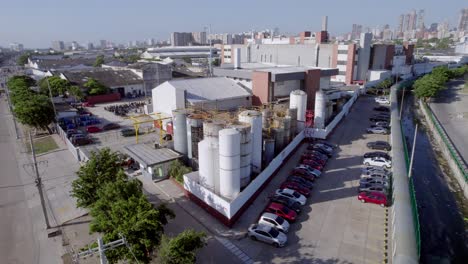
(260, 87)
(104, 98)
(311, 85)
(350, 63)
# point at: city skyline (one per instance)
(141, 19)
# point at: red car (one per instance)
(281, 210)
(314, 158)
(297, 187)
(86, 104)
(312, 164)
(373, 197)
(93, 129)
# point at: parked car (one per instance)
(93, 129)
(288, 202)
(382, 124)
(377, 181)
(382, 100)
(312, 163)
(377, 154)
(86, 104)
(291, 194)
(382, 145)
(373, 197)
(377, 130)
(373, 188)
(267, 234)
(326, 143)
(71, 132)
(324, 147)
(306, 183)
(281, 210)
(317, 154)
(110, 126)
(127, 132)
(308, 168)
(375, 168)
(378, 161)
(76, 136)
(379, 119)
(382, 108)
(303, 171)
(273, 220)
(376, 176)
(297, 187)
(314, 158)
(82, 141)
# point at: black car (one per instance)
(306, 183)
(380, 119)
(377, 154)
(321, 150)
(111, 126)
(127, 132)
(326, 143)
(291, 204)
(82, 141)
(382, 145)
(382, 109)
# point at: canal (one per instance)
(443, 238)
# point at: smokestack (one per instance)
(324, 23)
(237, 58)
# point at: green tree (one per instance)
(122, 209)
(216, 62)
(427, 86)
(34, 110)
(177, 170)
(95, 87)
(23, 59)
(181, 249)
(58, 86)
(76, 92)
(20, 81)
(99, 61)
(103, 167)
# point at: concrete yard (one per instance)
(334, 226)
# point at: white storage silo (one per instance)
(320, 109)
(209, 162)
(254, 118)
(229, 162)
(245, 151)
(278, 135)
(292, 113)
(180, 131)
(267, 115)
(211, 128)
(268, 150)
(287, 129)
(194, 134)
(298, 99)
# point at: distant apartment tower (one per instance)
(181, 38)
(58, 45)
(199, 37)
(463, 20)
(421, 20)
(356, 31)
(16, 46)
(90, 46)
(412, 20)
(103, 43)
(401, 19)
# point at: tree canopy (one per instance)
(95, 87)
(58, 86)
(76, 92)
(177, 170)
(102, 167)
(181, 249)
(430, 84)
(99, 61)
(23, 59)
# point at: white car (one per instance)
(291, 194)
(270, 219)
(378, 161)
(377, 130)
(382, 100)
(267, 234)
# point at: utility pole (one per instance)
(102, 248)
(410, 173)
(38, 181)
(51, 98)
(402, 101)
(210, 60)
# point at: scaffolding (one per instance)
(155, 118)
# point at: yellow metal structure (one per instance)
(142, 119)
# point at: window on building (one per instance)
(271, 58)
(341, 73)
(341, 62)
(342, 51)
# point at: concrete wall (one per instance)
(403, 233)
(165, 99)
(454, 161)
(260, 87)
(227, 104)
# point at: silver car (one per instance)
(377, 130)
(267, 234)
(270, 219)
(381, 181)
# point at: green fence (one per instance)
(414, 205)
(448, 144)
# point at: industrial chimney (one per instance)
(324, 23)
(237, 58)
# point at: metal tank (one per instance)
(209, 162)
(245, 152)
(254, 118)
(292, 113)
(298, 99)
(194, 134)
(286, 124)
(229, 162)
(267, 115)
(180, 131)
(211, 128)
(278, 135)
(268, 150)
(320, 109)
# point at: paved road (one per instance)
(451, 108)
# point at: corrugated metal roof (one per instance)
(209, 89)
(148, 155)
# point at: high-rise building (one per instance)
(412, 20)
(16, 46)
(181, 38)
(103, 43)
(401, 19)
(90, 46)
(58, 45)
(406, 24)
(433, 27)
(356, 31)
(463, 20)
(150, 42)
(199, 37)
(421, 20)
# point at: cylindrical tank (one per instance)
(298, 99)
(268, 150)
(287, 129)
(211, 128)
(320, 109)
(245, 152)
(209, 162)
(180, 131)
(254, 118)
(237, 58)
(267, 114)
(292, 112)
(194, 134)
(278, 135)
(229, 162)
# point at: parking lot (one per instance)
(334, 226)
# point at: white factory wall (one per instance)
(166, 98)
(379, 75)
(284, 88)
(226, 104)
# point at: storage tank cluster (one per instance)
(298, 100)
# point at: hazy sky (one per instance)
(35, 23)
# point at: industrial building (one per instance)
(178, 52)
